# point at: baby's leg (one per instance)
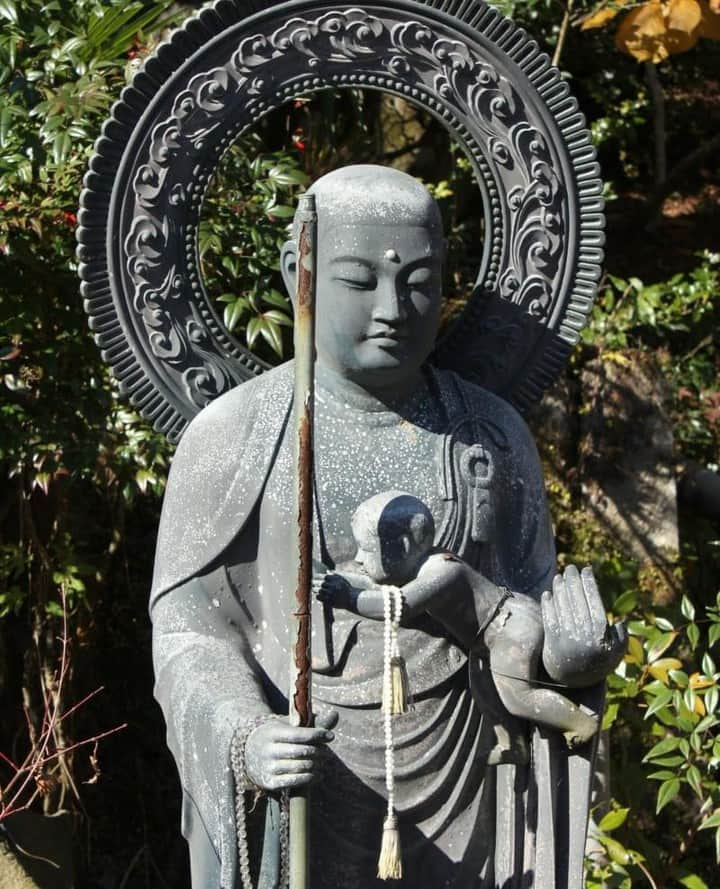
(515, 639)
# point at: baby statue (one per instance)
(394, 532)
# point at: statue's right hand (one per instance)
(280, 756)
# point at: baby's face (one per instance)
(384, 560)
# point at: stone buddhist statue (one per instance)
(385, 420)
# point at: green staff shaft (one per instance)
(300, 668)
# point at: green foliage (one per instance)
(677, 319)
(75, 462)
(663, 703)
(246, 220)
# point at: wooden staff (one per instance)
(300, 667)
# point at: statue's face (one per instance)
(378, 299)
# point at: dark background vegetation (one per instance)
(82, 475)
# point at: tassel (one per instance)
(400, 701)
(390, 862)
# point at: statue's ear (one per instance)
(288, 266)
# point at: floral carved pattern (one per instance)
(218, 103)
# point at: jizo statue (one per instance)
(383, 422)
(457, 676)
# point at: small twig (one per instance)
(562, 35)
(7, 759)
(47, 746)
(647, 874)
(62, 751)
(705, 341)
(81, 703)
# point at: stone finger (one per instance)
(576, 606)
(287, 751)
(292, 734)
(563, 606)
(292, 767)
(286, 782)
(598, 617)
(549, 613)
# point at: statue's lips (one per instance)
(387, 337)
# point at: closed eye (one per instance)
(356, 282)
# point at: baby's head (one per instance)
(394, 532)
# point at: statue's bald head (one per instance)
(379, 276)
(370, 193)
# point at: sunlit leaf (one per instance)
(662, 747)
(656, 30)
(659, 669)
(8, 10)
(270, 332)
(667, 792)
(682, 15)
(636, 652)
(711, 700)
(693, 881)
(600, 17)
(712, 821)
(613, 820)
(699, 681)
(610, 716)
(693, 634)
(660, 701)
(660, 645)
(694, 779)
(616, 850)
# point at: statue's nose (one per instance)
(389, 304)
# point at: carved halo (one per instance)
(235, 61)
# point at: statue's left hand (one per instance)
(580, 647)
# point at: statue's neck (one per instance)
(392, 398)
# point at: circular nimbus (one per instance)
(483, 77)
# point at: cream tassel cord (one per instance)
(395, 701)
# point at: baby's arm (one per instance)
(352, 592)
(439, 578)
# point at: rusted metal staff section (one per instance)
(300, 668)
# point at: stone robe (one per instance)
(219, 609)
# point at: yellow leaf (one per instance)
(683, 18)
(656, 30)
(698, 681)
(699, 707)
(683, 15)
(616, 358)
(659, 670)
(599, 18)
(636, 653)
(641, 33)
